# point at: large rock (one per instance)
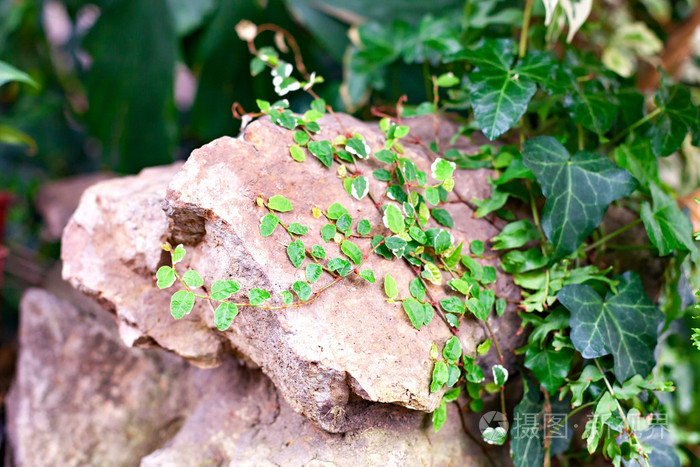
(346, 349)
(82, 398)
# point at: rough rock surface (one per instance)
(57, 201)
(347, 349)
(82, 398)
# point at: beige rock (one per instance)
(82, 398)
(57, 201)
(347, 348)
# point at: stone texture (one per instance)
(82, 398)
(111, 249)
(345, 350)
(57, 201)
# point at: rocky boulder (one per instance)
(82, 398)
(349, 348)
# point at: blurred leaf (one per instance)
(189, 14)
(9, 73)
(130, 84)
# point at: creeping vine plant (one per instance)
(577, 138)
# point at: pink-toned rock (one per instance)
(348, 348)
(81, 398)
(57, 201)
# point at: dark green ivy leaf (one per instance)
(501, 89)
(550, 366)
(363, 227)
(527, 439)
(578, 189)
(624, 325)
(667, 227)
(298, 229)
(340, 266)
(679, 116)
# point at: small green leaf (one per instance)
(442, 169)
(328, 232)
(368, 275)
(395, 243)
(165, 277)
(335, 211)
(360, 187)
(224, 314)
(296, 251)
(453, 350)
(390, 287)
(500, 375)
(447, 80)
(500, 306)
(319, 105)
(181, 303)
(432, 195)
(323, 150)
(385, 156)
(440, 416)
(477, 247)
(452, 305)
(382, 175)
(417, 289)
(318, 252)
(489, 275)
(279, 203)
(192, 279)
(515, 235)
(415, 311)
(357, 147)
(393, 219)
(313, 272)
(340, 266)
(442, 217)
(453, 394)
(287, 297)
(221, 290)
(440, 375)
(298, 229)
(268, 224)
(364, 227)
(483, 348)
(417, 235)
(297, 153)
(343, 223)
(352, 251)
(257, 297)
(302, 289)
(301, 138)
(178, 254)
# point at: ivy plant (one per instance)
(575, 141)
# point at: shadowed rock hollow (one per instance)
(348, 349)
